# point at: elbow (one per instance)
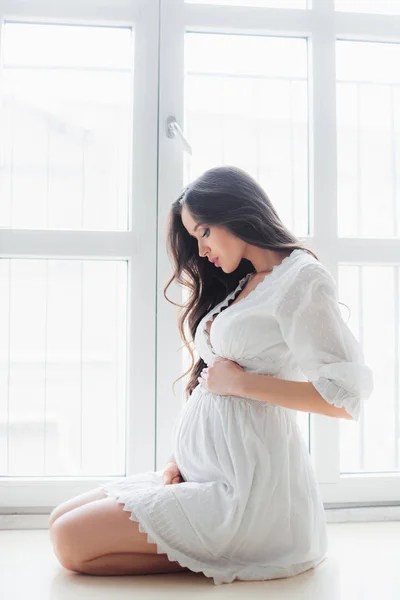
(343, 403)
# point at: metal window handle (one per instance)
(173, 130)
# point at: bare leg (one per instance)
(128, 563)
(99, 538)
(75, 502)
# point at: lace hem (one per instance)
(219, 576)
(162, 548)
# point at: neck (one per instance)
(261, 272)
(266, 260)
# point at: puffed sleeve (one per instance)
(322, 344)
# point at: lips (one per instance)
(215, 261)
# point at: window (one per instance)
(63, 367)
(78, 116)
(302, 95)
(66, 127)
(368, 114)
(372, 445)
(296, 4)
(275, 92)
(247, 107)
(390, 7)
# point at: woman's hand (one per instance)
(222, 377)
(171, 474)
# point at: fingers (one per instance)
(173, 481)
(169, 479)
(203, 376)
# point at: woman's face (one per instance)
(215, 242)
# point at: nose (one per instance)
(203, 250)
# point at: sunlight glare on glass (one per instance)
(389, 7)
(284, 4)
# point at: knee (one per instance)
(64, 543)
(53, 516)
(57, 512)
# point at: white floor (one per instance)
(363, 562)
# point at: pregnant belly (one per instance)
(218, 436)
(195, 436)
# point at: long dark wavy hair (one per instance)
(226, 196)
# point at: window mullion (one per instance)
(323, 198)
(67, 10)
(68, 244)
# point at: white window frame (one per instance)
(322, 26)
(137, 246)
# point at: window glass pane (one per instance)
(246, 105)
(66, 127)
(62, 367)
(369, 6)
(259, 3)
(373, 444)
(368, 115)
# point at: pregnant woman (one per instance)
(239, 499)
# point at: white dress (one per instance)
(249, 507)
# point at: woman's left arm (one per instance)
(324, 347)
(297, 395)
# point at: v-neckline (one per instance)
(221, 306)
(213, 315)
